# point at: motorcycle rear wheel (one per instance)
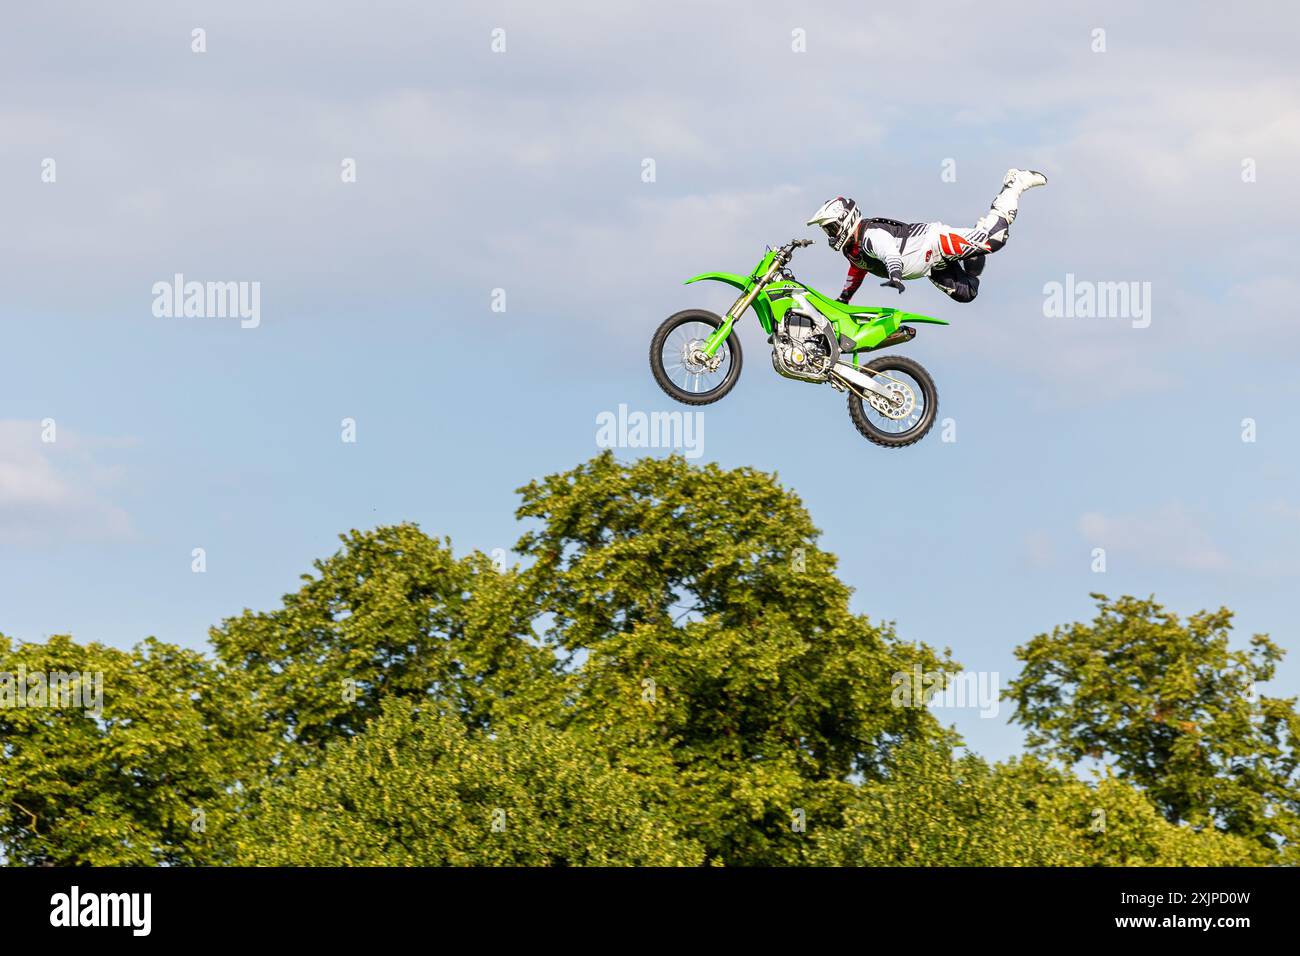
(888, 432)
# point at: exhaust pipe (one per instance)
(905, 333)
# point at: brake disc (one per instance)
(696, 361)
(904, 400)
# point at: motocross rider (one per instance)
(952, 258)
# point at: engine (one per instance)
(802, 348)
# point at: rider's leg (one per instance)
(962, 252)
(956, 282)
(992, 230)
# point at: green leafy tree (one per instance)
(155, 776)
(710, 647)
(391, 614)
(418, 789)
(938, 809)
(1113, 823)
(673, 675)
(1174, 709)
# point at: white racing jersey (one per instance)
(911, 250)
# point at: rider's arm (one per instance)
(881, 245)
(852, 282)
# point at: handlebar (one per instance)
(788, 250)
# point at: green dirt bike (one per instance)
(892, 399)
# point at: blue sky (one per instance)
(521, 170)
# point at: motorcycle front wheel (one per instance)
(675, 367)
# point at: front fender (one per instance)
(740, 282)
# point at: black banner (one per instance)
(334, 906)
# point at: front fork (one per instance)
(714, 341)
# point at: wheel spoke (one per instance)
(675, 357)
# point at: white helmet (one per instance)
(840, 218)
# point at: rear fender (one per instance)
(884, 322)
(907, 317)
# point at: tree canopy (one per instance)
(1175, 709)
(671, 674)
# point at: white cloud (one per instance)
(1037, 550)
(521, 170)
(659, 242)
(1285, 510)
(54, 492)
(1169, 536)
